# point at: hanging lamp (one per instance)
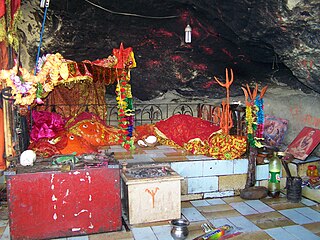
(187, 31)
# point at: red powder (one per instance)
(209, 84)
(176, 58)
(195, 33)
(153, 63)
(185, 16)
(148, 42)
(227, 52)
(207, 50)
(200, 66)
(162, 32)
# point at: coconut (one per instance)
(141, 143)
(27, 158)
(151, 140)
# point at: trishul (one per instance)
(152, 193)
(251, 96)
(225, 115)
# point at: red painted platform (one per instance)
(55, 204)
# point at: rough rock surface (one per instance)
(269, 42)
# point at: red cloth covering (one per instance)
(82, 134)
(44, 148)
(15, 5)
(92, 129)
(144, 131)
(2, 8)
(182, 128)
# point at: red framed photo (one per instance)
(304, 143)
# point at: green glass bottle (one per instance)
(274, 176)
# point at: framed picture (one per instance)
(275, 130)
(304, 143)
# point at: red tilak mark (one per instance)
(201, 66)
(153, 63)
(148, 42)
(207, 50)
(311, 120)
(176, 58)
(162, 32)
(195, 33)
(227, 52)
(185, 16)
(208, 84)
(305, 64)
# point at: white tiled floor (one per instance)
(259, 206)
(301, 233)
(242, 224)
(192, 214)
(296, 216)
(243, 208)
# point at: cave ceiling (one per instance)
(275, 42)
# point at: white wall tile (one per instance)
(219, 194)
(202, 184)
(188, 169)
(240, 166)
(262, 172)
(217, 167)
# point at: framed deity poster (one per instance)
(306, 141)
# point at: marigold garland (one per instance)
(125, 110)
(260, 117)
(254, 115)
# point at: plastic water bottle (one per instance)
(274, 176)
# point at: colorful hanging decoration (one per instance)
(53, 70)
(124, 99)
(254, 115)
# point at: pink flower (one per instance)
(39, 101)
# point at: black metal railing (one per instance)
(152, 113)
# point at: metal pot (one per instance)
(179, 229)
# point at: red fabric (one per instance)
(122, 55)
(2, 8)
(82, 134)
(92, 129)
(2, 160)
(15, 4)
(43, 148)
(3, 55)
(181, 128)
(144, 131)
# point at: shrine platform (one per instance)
(204, 177)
